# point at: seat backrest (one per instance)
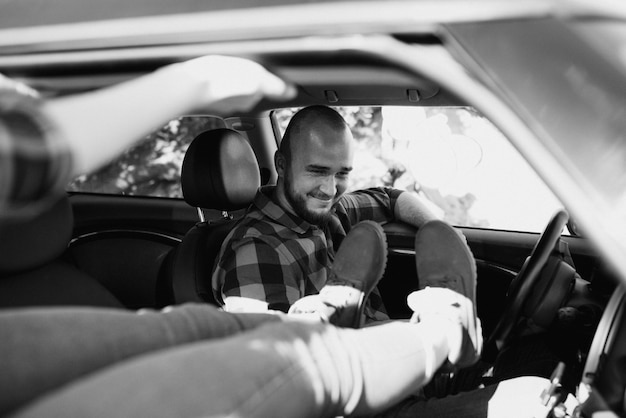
(219, 172)
(33, 271)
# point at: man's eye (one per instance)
(343, 175)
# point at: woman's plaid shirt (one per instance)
(276, 257)
(35, 162)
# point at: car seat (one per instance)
(33, 271)
(219, 172)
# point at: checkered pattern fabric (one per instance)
(276, 257)
(35, 165)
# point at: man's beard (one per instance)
(298, 203)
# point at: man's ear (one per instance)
(280, 163)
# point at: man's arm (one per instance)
(383, 204)
(412, 210)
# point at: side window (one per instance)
(152, 167)
(453, 158)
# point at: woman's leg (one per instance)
(279, 370)
(42, 349)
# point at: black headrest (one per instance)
(220, 171)
(30, 242)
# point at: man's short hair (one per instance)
(307, 117)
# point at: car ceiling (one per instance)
(343, 74)
(71, 46)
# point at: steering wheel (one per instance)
(527, 278)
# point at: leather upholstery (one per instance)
(30, 242)
(219, 172)
(33, 271)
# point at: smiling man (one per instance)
(282, 250)
(314, 162)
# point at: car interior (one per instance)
(537, 293)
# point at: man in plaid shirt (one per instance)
(282, 250)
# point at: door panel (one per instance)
(499, 256)
(96, 212)
(123, 241)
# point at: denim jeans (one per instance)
(196, 361)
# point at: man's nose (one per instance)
(329, 186)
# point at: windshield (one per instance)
(453, 158)
(574, 100)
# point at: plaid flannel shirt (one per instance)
(35, 164)
(276, 257)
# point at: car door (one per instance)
(129, 215)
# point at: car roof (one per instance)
(68, 46)
(22, 13)
(125, 23)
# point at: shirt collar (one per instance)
(264, 201)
